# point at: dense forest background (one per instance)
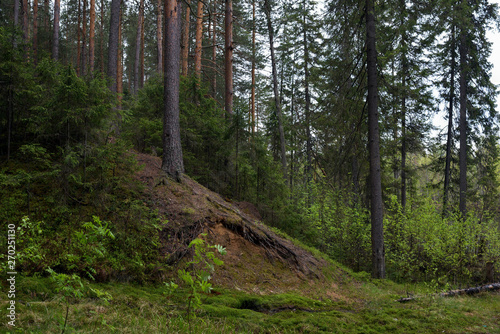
(274, 110)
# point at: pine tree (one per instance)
(172, 162)
(228, 56)
(114, 27)
(378, 256)
(55, 40)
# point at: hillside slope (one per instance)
(257, 259)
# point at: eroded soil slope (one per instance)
(257, 259)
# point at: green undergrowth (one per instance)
(372, 308)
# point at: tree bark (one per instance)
(83, 58)
(228, 74)
(463, 123)
(185, 40)
(159, 38)
(16, 19)
(214, 48)
(403, 122)
(141, 76)
(469, 291)
(25, 11)
(119, 62)
(199, 38)
(447, 168)
(46, 22)
(78, 38)
(101, 34)
(277, 102)
(138, 39)
(254, 51)
(35, 30)
(172, 161)
(114, 27)
(92, 37)
(307, 108)
(55, 39)
(377, 233)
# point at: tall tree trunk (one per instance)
(199, 39)
(16, 21)
(137, 60)
(449, 136)
(377, 232)
(141, 76)
(35, 30)
(101, 34)
(84, 38)
(214, 48)
(463, 123)
(114, 27)
(403, 122)
(119, 61)
(159, 38)
(252, 94)
(172, 161)
(92, 37)
(185, 40)
(307, 108)
(228, 48)
(55, 39)
(267, 10)
(25, 11)
(78, 38)
(46, 23)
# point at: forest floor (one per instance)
(267, 284)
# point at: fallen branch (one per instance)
(469, 291)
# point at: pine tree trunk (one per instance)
(16, 22)
(214, 48)
(35, 30)
(447, 169)
(159, 39)
(114, 27)
(119, 62)
(55, 40)
(141, 76)
(228, 48)
(92, 37)
(463, 124)
(172, 161)
(377, 233)
(185, 40)
(46, 22)
(267, 10)
(137, 60)
(403, 124)
(252, 94)
(84, 38)
(199, 38)
(101, 34)
(78, 38)
(25, 11)
(307, 108)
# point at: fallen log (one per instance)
(469, 291)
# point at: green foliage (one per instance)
(421, 245)
(72, 288)
(335, 224)
(197, 279)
